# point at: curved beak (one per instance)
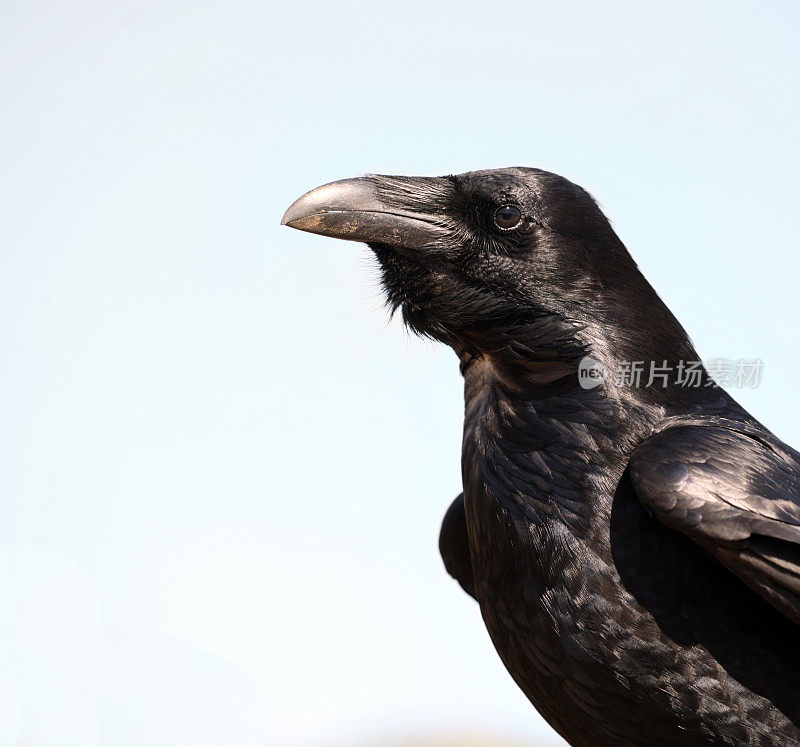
(354, 209)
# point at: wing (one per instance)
(734, 492)
(454, 546)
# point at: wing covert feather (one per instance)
(735, 493)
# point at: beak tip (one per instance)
(307, 212)
(290, 216)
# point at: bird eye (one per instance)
(507, 217)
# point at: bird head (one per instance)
(517, 265)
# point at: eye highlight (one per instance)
(507, 217)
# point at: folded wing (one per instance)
(735, 493)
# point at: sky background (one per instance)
(222, 469)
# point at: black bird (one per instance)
(634, 545)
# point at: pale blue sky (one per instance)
(223, 471)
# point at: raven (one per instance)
(634, 545)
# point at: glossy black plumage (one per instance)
(635, 550)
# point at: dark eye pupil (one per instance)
(507, 217)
